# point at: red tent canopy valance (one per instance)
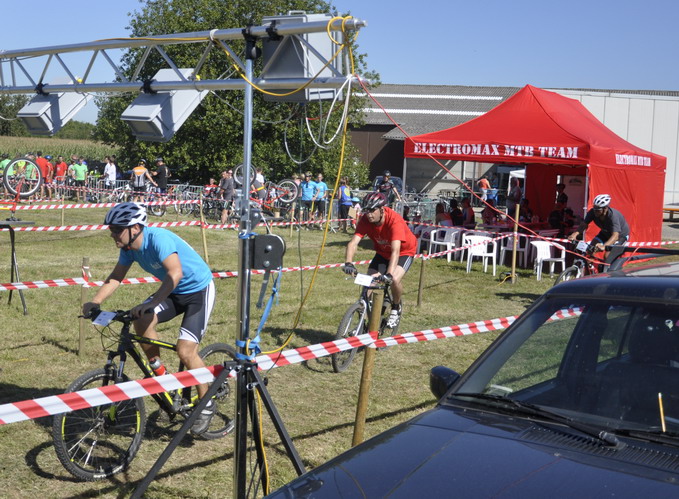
(544, 130)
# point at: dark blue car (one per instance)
(579, 399)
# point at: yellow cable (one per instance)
(325, 236)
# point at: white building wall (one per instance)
(650, 122)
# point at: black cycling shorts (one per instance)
(380, 264)
(196, 308)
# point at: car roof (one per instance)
(659, 281)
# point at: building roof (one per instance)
(422, 109)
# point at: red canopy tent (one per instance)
(554, 135)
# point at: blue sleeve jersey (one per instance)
(157, 245)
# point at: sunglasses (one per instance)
(115, 229)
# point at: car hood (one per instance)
(469, 453)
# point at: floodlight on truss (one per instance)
(157, 116)
(47, 113)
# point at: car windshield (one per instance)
(613, 364)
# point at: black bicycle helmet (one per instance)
(386, 173)
(126, 215)
(159, 159)
(373, 201)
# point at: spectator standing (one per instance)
(227, 190)
(140, 175)
(345, 202)
(110, 174)
(60, 168)
(44, 170)
(484, 186)
(79, 170)
(308, 187)
(162, 173)
(49, 179)
(513, 196)
(321, 196)
(561, 196)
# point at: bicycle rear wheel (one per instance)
(352, 324)
(22, 176)
(287, 191)
(224, 419)
(98, 442)
(572, 272)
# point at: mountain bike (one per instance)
(98, 442)
(587, 264)
(355, 321)
(22, 177)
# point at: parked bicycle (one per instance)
(98, 442)
(153, 196)
(355, 322)
(22, 177)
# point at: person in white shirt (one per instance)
(109, 172)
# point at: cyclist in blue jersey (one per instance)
(186, 288)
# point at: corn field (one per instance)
(88, 149)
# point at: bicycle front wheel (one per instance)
(23, 177)
(287, 191)
(223, 421)
(569, 274)
(352, 324)
(98, 442)
(157, 209)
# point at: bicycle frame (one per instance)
(126, 347)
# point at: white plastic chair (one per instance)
(469, 232)
(543, 254)
(483, 247)
(449, 238)
(422, 234)
(522, 248)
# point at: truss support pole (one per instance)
(244, 278)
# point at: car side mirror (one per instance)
(441, 378)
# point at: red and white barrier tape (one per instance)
(56, 404)
(69, 206)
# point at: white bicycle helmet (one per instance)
(126, 215)
(602, 200)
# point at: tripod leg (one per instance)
(277, 422)
(259, 441)
(212, 390)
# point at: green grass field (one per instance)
(39, 354)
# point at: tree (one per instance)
(78, 130)
(10, 105)
(212, 138)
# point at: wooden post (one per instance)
(421, 285)
(202, 231)
(83, 300)
(515, 242)
(63, 208)
(366, 375)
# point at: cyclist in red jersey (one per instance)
(395, 246)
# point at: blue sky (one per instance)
(609, 44)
